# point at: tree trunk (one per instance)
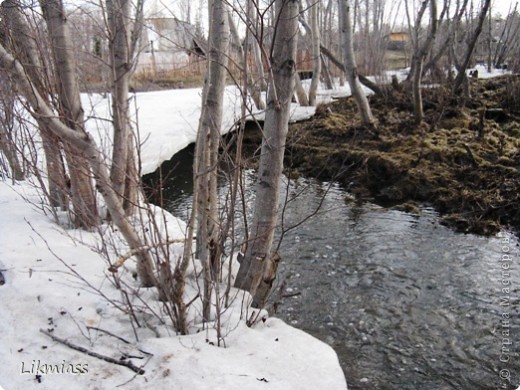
(258, 256)
(83, 196)
(419, 55)
(350, 64)
(254, 89)
(25, 48)
(7, 146)
(329, 84)
(207, 149)
(471, 47)
(301, 95)
(123, 173)
(316, 54)
(82, 141)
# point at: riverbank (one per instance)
(463, 161)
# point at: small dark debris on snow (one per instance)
(80, 308)
(276, 339)
(38, 378)
(2, 279)
(63, 312)
(20, 350)
(44, 347)
(262, 380)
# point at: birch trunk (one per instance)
(123, 173)
(258, 255)
(419, 55)
(208, 140)
(316, 54)
(350, 64)
(83, 195)
(82, 141)
(24, 47)
(471, 47)
(254, 88)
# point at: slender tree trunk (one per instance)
(448, 40)
(418, 60)
(82, 141)
(258, 257)
(25, 48)
(83, 195)
(207, 150)
(255, 40)
(326, 74)
(254, 88)
(301, 95)
(7, 146)
(471, 47)
(350, 64)
(316, 54)
(124, 172)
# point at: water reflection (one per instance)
(405, 302)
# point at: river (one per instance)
(406, 302)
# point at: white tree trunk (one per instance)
(83, 195)
(420, 53)
(350, 64)
(124, 171)
(258, 255)
(316, 53)
(254, 88)
(84, 142)
(25, 48)
(208, 140)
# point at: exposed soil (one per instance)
(463, 160)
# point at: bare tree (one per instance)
(350, 64)
(461, 76)
(206, 154)
(254, 88)
(420, 53)
(23, 45)
(314, 9)
(121, 46)
(70, 130)
(257, 269)
(7, 142)
(83, 195)
(508, 37)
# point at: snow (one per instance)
(57, 280)
(167, 121)
(43, 291)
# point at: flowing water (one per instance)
(405, 302)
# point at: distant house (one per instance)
(397, 40)
(168, 44)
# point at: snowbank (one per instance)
(168, 120)
(43, 291)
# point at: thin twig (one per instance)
(117, 337)
(126, 363)
(121, 259)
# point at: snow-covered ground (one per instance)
(167, 120)
(57, 281)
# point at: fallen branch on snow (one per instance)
(126, 363)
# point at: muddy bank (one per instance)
(463, 161)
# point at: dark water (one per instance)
(405, 302)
